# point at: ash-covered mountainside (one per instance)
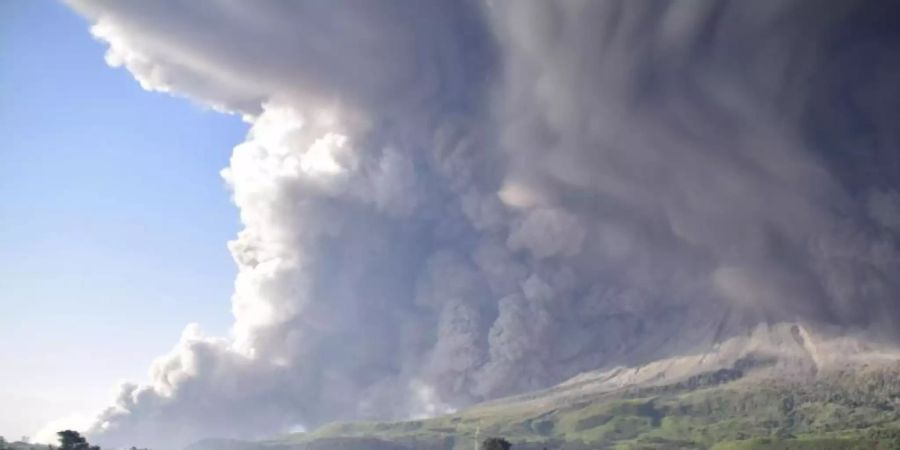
(778, 387)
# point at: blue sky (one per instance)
(113, 219)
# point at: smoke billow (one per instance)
(445, 202)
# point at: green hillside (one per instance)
(724, 410)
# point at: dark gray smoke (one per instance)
(445, 202)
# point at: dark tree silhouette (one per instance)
(495, 444)
(72, 440)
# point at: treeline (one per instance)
(68, 440)
(495, 444)
(73, 440)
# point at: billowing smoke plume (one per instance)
(445, 202)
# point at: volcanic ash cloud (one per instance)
(446, 202)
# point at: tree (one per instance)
(72, 440)
(495, 444)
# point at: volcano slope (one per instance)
(779, 386)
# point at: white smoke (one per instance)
(445, 202)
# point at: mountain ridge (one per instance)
(776, 384)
